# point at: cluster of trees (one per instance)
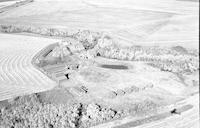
(100, 44)
(29, 112)
(175, 59)
(36, 30)
(95, 114)
(177, 66)
(138, 53)
(87, 38)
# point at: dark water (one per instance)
(114, 66)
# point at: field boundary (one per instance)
(17, 4)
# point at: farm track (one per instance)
(177, 123)
(17, 74)
(187, 118)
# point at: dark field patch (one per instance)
(114, 66)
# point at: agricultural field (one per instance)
(18, 76)
(6, 3)
(99, 64)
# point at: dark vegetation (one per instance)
(32, 112)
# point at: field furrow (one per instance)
(32, 76)
(17, 74)
(3, 77)
(16, 71)
(5, 70)
(28, 78)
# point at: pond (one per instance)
(114, 66)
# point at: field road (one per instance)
(188, 118)
(17, 74)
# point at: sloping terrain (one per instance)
(187, 118)
(135, 22)
(6, 3)
(102, 63)
(100, 82)
(17, 75)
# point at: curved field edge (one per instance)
(34, 59)
(18, 76)
(176, 59)
(17, 4)
(172, 59)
